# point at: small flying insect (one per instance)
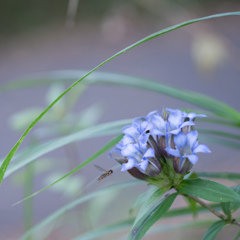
(105, 172)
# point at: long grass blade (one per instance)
(154, 35)
(28, 155)
(216, 107)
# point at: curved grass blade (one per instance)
(28, 155)
(222, 142)
(219, 133)
(99, 232)
(154, 35)
(208, 190)
(94, 156)
(213, 231)
(58, 213)
(217, 107)
(144, 223)
(223, 175)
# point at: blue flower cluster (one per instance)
(159, 139)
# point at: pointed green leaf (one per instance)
(213, 231)
(145, 222)
(208, 190)
(224, 108)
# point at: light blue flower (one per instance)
(137, 132)
(187, 146)
(185, 115)
(159, 145)
(116, 150)
(137, 155)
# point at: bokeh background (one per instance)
(39, 36)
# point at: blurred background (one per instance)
(40, 36)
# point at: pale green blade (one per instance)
(28, 155)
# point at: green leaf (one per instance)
(223, 175)
(224, 108)
(213, 231)
(94, 156)
(145, 222)
(208, 190)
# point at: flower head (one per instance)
(161, 147)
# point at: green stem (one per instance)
(216, 213)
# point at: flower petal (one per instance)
(201, 148)
(192, 158)
(150, 115)
(143, 165)
(129, 150)
(175, 119)
(149, 153)
(191, 138)
(180, 140)
(130, 164)
(128, 139)
(132, 131)
(192, 116)
(173, 152)
(187, 123)
(159, 123)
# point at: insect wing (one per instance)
(100, 169)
